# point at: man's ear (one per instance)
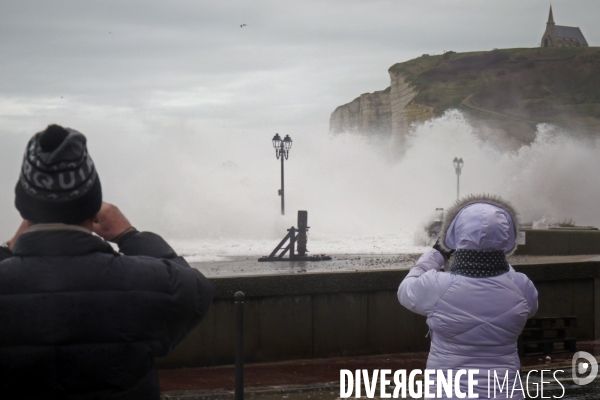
(89, 223)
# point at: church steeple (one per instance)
(562, 36)
(550, 17)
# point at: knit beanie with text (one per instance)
(58, 181)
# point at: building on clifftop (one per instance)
(562, 36)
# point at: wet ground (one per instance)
(566, 389)
(319, 378)
(247, 265)
(237, 266)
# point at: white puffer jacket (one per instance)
(474, 322)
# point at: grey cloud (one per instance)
(187, 65)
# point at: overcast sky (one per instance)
(136, 71)
(288, 68)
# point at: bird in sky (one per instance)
(242, 25)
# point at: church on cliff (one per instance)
(562, 36)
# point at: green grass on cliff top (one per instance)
(530, 82)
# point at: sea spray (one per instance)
(362, 199)
(219, 192)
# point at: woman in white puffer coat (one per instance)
(477, 310)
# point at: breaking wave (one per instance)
(214, 195)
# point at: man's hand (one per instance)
(110, 222)
(22, 228)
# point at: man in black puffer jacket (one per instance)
(79, 320)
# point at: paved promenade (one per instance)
(306, 375)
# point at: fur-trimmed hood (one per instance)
(481, 222)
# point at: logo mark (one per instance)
(581, 367)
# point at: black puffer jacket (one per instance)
(79, 321)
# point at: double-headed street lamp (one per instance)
(458, 164)
(282, 149)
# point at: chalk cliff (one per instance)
(506, 92)
(405, 111)
(370, 114)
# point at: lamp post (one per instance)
(458, 164)
(282, 149)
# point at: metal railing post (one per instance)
(239, 345)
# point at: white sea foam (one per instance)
(201, 250)
(215, 196)
(362, 200)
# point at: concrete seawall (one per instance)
(559, 242)
(354, 313)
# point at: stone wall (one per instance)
(559, 242)
(354, 313)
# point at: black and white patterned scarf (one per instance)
(479, 264)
